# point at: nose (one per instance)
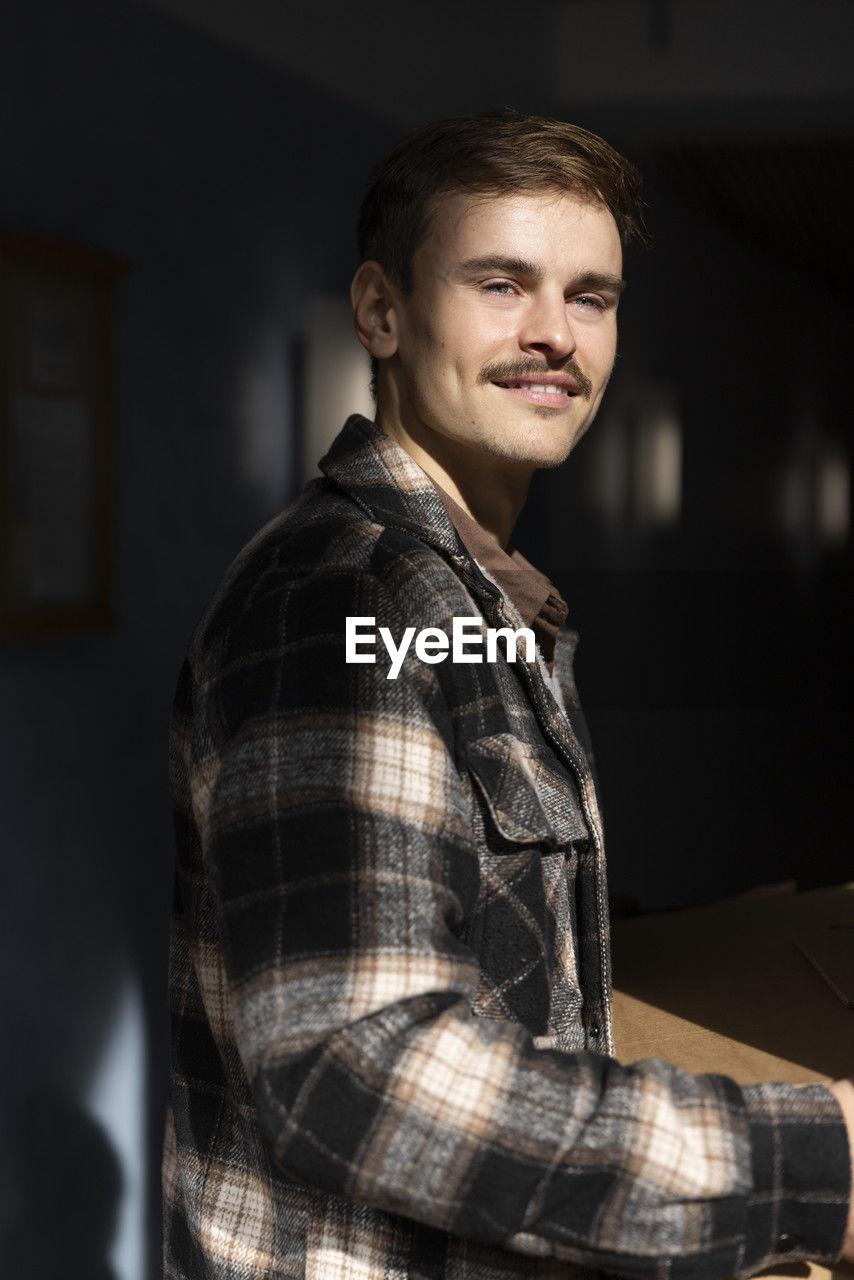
(546, 330)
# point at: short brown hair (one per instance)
(497, 151)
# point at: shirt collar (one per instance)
(527, 588)
(393, 489)
(387, 483)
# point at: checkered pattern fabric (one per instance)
(390, 969)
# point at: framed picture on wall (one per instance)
(57, 377)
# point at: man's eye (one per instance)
(499, 287)
(590, 301)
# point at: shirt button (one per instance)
(595, 1031)
(785, 1242)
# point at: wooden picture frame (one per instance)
(57, 388)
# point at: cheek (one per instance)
(597, 356)
(452, 352)
(451, 346)
(434, 342)
(609, 345)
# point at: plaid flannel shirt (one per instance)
(392, 1048)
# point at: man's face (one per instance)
(506, 342)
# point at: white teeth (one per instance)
(541, 386)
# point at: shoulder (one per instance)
(319, 562)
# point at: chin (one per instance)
(530, 456)
(544, 448)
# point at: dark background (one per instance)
(222, 150)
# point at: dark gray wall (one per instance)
(231, 191)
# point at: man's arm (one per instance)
(844, 1091)
(336, 839)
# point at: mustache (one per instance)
(509, 370)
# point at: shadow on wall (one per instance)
(61, 1172)
(213, 176)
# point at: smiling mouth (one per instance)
(541, 388)
(551, 397)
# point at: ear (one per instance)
(374, 316)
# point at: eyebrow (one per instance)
(522, 267)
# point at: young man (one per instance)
(390, 968)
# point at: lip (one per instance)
(523, 389)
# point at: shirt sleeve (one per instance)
(337, 844)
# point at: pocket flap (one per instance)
(531, 800)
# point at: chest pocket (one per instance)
(528, 822)
(531, 801)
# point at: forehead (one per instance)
(555, 229)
